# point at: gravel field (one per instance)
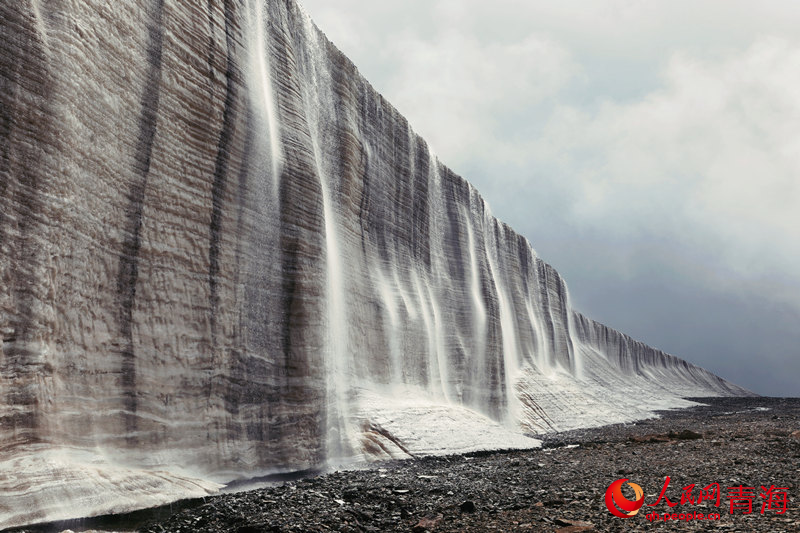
(735, 442)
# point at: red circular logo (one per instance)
(616, 501)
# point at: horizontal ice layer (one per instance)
(223, 254)
(58, 484)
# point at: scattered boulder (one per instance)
(350, 494)
(428, 523)
(256, 528)
(574, 529)
(467, 507)
(686, 434)
(649, 438)
(575, 523)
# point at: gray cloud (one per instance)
(648, 151)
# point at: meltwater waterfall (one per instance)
(224, 255)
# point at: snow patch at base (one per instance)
(63, 483)
(405, 426)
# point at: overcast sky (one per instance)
(650, 151)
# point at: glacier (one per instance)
(224, 255)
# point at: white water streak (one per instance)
(507, 328)
(574, 340)
(337, 361)
(264, 81)
(340, 434)
(476, 295)
(392, 327)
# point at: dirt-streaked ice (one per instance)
(224, 255)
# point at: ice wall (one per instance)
(223, 254)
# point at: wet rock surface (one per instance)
(748, 442)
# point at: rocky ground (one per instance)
(749, 442)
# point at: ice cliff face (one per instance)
(223, 254)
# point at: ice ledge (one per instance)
(55, 484)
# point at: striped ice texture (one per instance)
(223, 254)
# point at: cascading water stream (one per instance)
(430, 333)
(391, 324)
(574, 340)
(437, 273)
(539, 356)
(337, 360)
(476, 299)
(339, 444)
(440, 353)
(507, 323)
(264, 88)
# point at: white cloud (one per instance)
(461, 95)
(710, 160)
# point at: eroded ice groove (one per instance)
(223, 255)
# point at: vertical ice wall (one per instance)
(223, 254)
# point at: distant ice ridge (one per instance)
(224, 255)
